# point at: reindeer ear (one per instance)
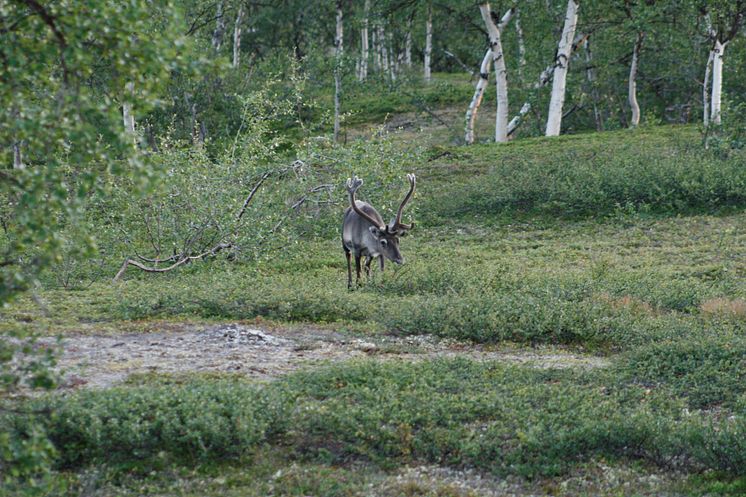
(376, 231)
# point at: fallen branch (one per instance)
(180, 262)
(186, 255)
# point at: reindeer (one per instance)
(365, 234)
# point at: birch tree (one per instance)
(363, 71)
(217, 34)
(545, 77)
(501, 74)
(729, 21)
(127, 116)
(557, 100)
(17, 156)
(338, 40)
(471, 112)
(632, 87)
(428, 43)
(237, 36)
(408, 43)
(590, 76)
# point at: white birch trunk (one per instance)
(363, 73)
(717, 81)
(590, 76)
(428, 43)
(393, 58)
(384, 50)
(521, 44)
(471, 112)
(544, 78)
(217, 34)
(338, 47)
(706, 89)
(237, 37)
(632, 89)
(376, 50)
(127, 115)
(408, 44)
(17, 156)
(564, 48)
(501, 73)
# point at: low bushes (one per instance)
(509, 420)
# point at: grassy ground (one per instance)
(628, 245)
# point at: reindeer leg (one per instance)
(357, 269)
(380, 259)
(349, 268)
(368, 260)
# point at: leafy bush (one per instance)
(595, 179)
(706, 370)
(510, 420)
(199, 420)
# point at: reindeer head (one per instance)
(386, 236)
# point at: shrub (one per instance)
(706, 370)
(197, 420)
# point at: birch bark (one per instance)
(17, 156)
(706, 89)
(338, 46)
(428, 43)
(471, 112)
(217, 34)
(127, 115)
(237, 36)
(590, 76)
(363, 74)
(501, 73)
(717, 80)
(408, 44)
(554, 119)
(632, 89)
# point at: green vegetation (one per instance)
(630, 277)
(149, 136)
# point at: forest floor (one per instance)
(100, 361)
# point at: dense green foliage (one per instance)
(502, 419)
(625, 243)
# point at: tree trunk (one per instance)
(544, 78)
(717, 81)
(501, 73)
(521, 45)
(384, 50)
(554, 119)
(127, 115)
(471, 113)
(428, 43)
(706, 89)
(376, 49)
(590, 76)
(408, 44)
(237, 36)
(17, 156)
(393, 58)
(632, 91)
(217, 34)
(363, 73)
(338, 46)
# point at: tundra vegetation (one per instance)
(174, 163)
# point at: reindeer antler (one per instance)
(397, 224)
(352, 186)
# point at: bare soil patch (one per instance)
(100, 361)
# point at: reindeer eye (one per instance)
(384, 242)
